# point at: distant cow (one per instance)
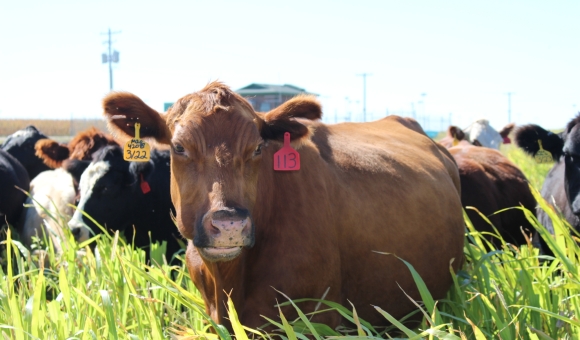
(487, 136)
(490, 182)
(21, 145)
(121, 195)
(455, 136)
(562, 184)
(362, 187)
(12, 174)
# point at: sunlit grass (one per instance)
(109, 292)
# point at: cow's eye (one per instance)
(178, 148)
(258, 149)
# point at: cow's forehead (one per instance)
(91, 175)
(223, 126)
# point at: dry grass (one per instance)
(51, 127)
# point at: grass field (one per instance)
(110, 293)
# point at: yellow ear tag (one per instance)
(136, 149)
(455, 141)
(543, 156)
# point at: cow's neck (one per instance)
(228, 279)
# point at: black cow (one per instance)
(12, 174)
(21, 144)
(120, 195)
(563, 181)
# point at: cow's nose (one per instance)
(76, 231)
(228, 226)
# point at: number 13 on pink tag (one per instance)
(287, 159)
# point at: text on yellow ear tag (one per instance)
(543, 156)
(136, 149)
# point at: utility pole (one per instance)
(509, 95)
(111, 57)
(364, 75)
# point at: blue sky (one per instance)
(464, 56)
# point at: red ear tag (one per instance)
(145, 188)
(287, 159)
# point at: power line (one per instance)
(509, 95)
(111, 57)
(364, 75)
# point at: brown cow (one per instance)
(380, 186)
(491, 182)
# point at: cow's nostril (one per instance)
(214, 230)
(76, 232)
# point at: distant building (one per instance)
(265, 97)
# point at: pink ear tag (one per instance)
(287, 159)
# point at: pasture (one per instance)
(512, 293)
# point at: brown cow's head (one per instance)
(217, 141)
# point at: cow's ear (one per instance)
(456, 132)
(122, 110)
(51, 152)
(528, 137)
(283, 118)
(506, 130)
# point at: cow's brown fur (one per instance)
(490, 182)
(506, 130)
(81, 147)
(382, 186)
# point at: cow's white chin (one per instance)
(215, 254)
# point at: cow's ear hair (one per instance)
(76, 168)
(527, 138)
(456, 132)
(122, 110)
(283, 118)
(51, 152)
(477, 142)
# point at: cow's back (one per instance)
(395, 191)
(12, 174)
(490, 182)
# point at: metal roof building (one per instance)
(265, 97)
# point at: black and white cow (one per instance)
(12, 174)
(120, 195)
(563, 181)
(21, 144)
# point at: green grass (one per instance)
(110, 293)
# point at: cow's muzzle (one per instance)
(224, 233)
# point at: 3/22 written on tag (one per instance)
(136, 150)
(137, 154)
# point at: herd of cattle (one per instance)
(363, 191)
